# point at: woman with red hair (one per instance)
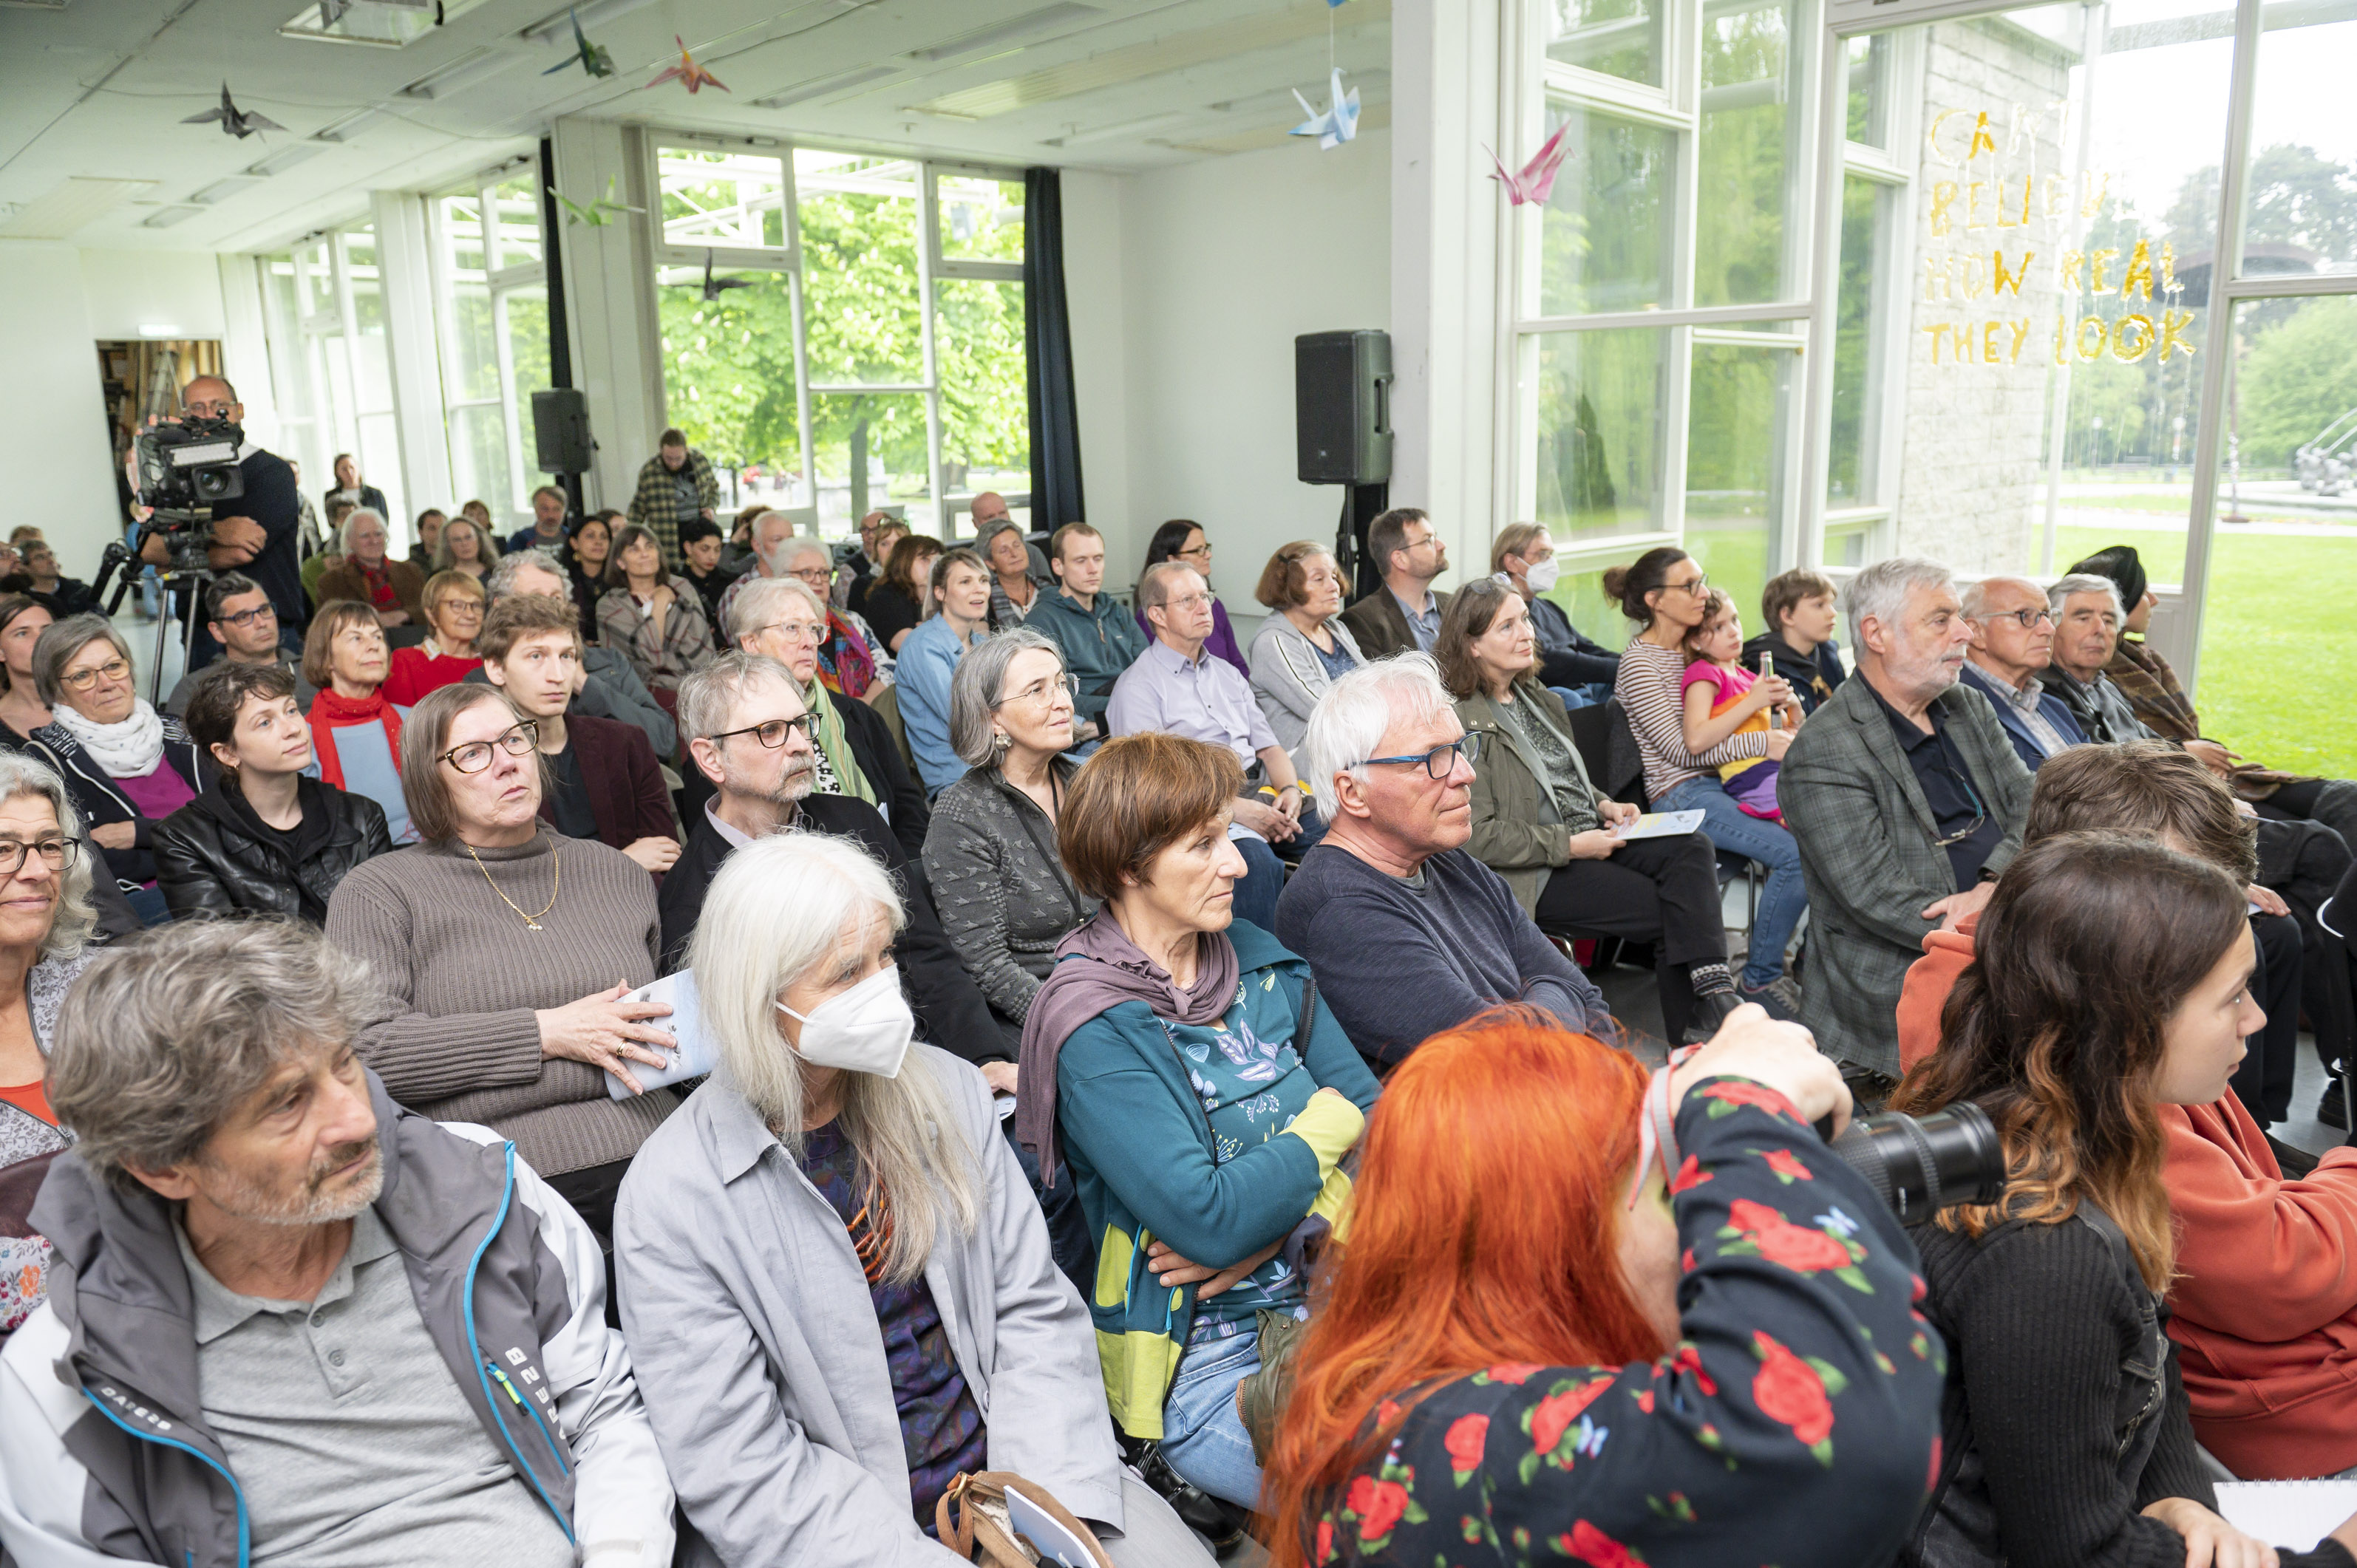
(1561, 1330)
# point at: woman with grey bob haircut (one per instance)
(835, 1284)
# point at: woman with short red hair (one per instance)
(1537, 1344)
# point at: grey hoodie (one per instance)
(104, 1446)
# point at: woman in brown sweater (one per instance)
(508, 950)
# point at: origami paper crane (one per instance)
(687, 71)
(234, 121)
(591, 57)
(1536, 180)
(712, 285)
(1339, 123)
(598, 213)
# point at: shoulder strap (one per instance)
(1308, 1015)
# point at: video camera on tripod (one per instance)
(180, 468)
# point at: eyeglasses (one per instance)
(773, 734)
(1203, 549)
(1700, 581)
(808, 631)
(1191, 601)
(2027, 617)
(1963, 781)
(56, 853)
(817, 576)
(1042, 693)
(476, 755)
(244, 618)
(1440, 761)
(83, 680)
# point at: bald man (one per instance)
(258, 533)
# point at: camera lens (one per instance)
(1918, 1165)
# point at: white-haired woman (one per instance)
(835, 1288)
(127, 766)
(394, 589)
(46, 923)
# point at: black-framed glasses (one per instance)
(2027, 618)
(476, 755)
(244, 618)
(773, 734)
(1440, 761)
(1043, 693)
(57, 854)
(1696, 585)
(1963, 781)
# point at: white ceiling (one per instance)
(92, 93)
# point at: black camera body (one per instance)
(185, 467)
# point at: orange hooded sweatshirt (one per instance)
(2263, 1309)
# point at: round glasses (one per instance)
(83, 680)
(476, 755)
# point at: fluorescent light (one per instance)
(551, 29)
(220, 190)
(350, 125)
(286, 158)
(1021, 27)
(148, 330)
(164, 218)
(1125, 128)
(825, 85)
(461, 73)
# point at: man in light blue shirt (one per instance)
(960, 619)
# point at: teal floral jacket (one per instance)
(1796, 1422)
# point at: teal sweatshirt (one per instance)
(1146, 1163)
(1099, 643)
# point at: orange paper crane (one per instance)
(687, 71)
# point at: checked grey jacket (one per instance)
(1867, 852)
(104, 1452)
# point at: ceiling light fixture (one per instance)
(220, 190)
(462, 73)
(164, 218)
(825, 85)
(286, 158)
(350, 125)
(1006, 32)
(148, 330)
(1125, 128)
(71, 204)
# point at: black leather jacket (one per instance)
(211, 858)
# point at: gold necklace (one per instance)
(530, 922)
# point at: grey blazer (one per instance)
(1288, 678)
(1866, 835)
(762, 1368)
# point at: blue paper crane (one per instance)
(1339, 123)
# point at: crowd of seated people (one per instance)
(1121, 1098)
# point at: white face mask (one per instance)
(1541, 575)
(865, 1029)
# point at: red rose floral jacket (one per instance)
(1795, 1423)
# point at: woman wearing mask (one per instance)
(22, 621)
(1301, 651)
(835, 1217)
(1568, 662)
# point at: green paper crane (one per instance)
(595, 58)
(600, 213)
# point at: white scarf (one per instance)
(126, 750)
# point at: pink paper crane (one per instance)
(1536, 181)
(687, 72)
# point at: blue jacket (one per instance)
(927, 661)
(2057, 712)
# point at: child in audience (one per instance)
(1722, 698)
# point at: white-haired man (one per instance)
(1907, 800)
(303, 1324)
(1407, 933)
(2013, 641)
(771, 529)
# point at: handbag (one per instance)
(981, 1530)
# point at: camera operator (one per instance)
(1696, 1348)
(257, 534)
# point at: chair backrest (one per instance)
(1623, 776)
(1591, 732)
(408, 636)
(886, 700)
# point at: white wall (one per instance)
(1187, 287)
(64, 483)
(126, 292)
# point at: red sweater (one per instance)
(415, 672)
(2263, 1309)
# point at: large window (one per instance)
(325, 316)
(843, 331)
(490, 294)
(2046, 321)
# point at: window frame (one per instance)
(932, 270)
(502, 283)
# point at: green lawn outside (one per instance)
(2279, 647)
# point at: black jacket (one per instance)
(1565, 657)
(949, 1006)
(212, 858)
(888, 774)
(100, 800)
(1813, 678)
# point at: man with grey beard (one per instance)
(290, 1321)
(750, 733)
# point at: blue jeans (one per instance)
(1785, 898)
(1586, 696)
(1202, 1435)
(147, 903)
(1263, 880)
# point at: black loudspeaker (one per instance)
(1341, 407)
(560, 431)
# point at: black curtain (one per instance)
(1048, 352)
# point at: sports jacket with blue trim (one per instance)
(105, 1456)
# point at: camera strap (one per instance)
(1657, 1130)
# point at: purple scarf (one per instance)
(1111, 971)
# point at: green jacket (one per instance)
(1133, 1135)
(1099, 643)
(1517, 831)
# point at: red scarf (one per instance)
(378, 582)
(331, 712)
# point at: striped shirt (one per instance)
(1649, 688)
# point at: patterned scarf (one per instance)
(331, 712)
(845, 664)
(378, 580)
(129, 748)
(835, 745)
(2152, 689)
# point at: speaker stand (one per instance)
(1362, 504)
